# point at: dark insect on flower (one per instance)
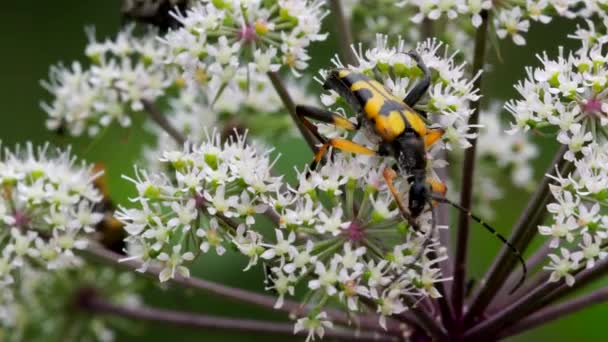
(401, 132)
(154, 12)
(110, 229)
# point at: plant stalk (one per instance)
(97, 305)
(161, 120)
(521, 236)
(369, 322)
(281, 89)
(533, 301)
(345, 37)
(556, 311)
(460, 258)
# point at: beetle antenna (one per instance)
(493, 231)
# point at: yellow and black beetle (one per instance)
(401, 132)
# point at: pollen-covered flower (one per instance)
(218, 37)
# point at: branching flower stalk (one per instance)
(342, 256)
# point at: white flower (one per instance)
(563, 267)
(509, 22)
(173, 264)
(315, 326)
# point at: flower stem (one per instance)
(161, 120)
(345, 38)
(467, 182)
(95, 304)
(369, 322)
(533, 301)
(531, 264)
(557, 311)
(522, 235)
(427, 322)
(281, 89)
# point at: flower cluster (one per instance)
(47, 297)
(207, 202)
(219, 37)
(567, 93)
(580, 221)
(337, 231)
(125, 72)
(511, 18)
(47, 209)
(341, 235)
(449, 96)
(47, 203)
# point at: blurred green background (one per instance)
(36, 34)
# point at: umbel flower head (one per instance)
(125, 72)
(218, 37)
(338, 232)
(580, 223)
(511, 19)
(568, 94)
(47, 213)
(209, 199)
(47, 204)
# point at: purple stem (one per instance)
(556, 311)
(345, 37)
(97, 305)
(161, 120)
(466, 195)
(369, 321)
(521, 236)
(533, 301)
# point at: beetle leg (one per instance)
(319, 114)
(432, 135)
(422, 86)
(390, 174)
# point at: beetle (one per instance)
(400, 131)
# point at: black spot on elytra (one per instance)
(363, 95)
(352, 78)
(390, 105)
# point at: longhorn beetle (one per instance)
(401, 131)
